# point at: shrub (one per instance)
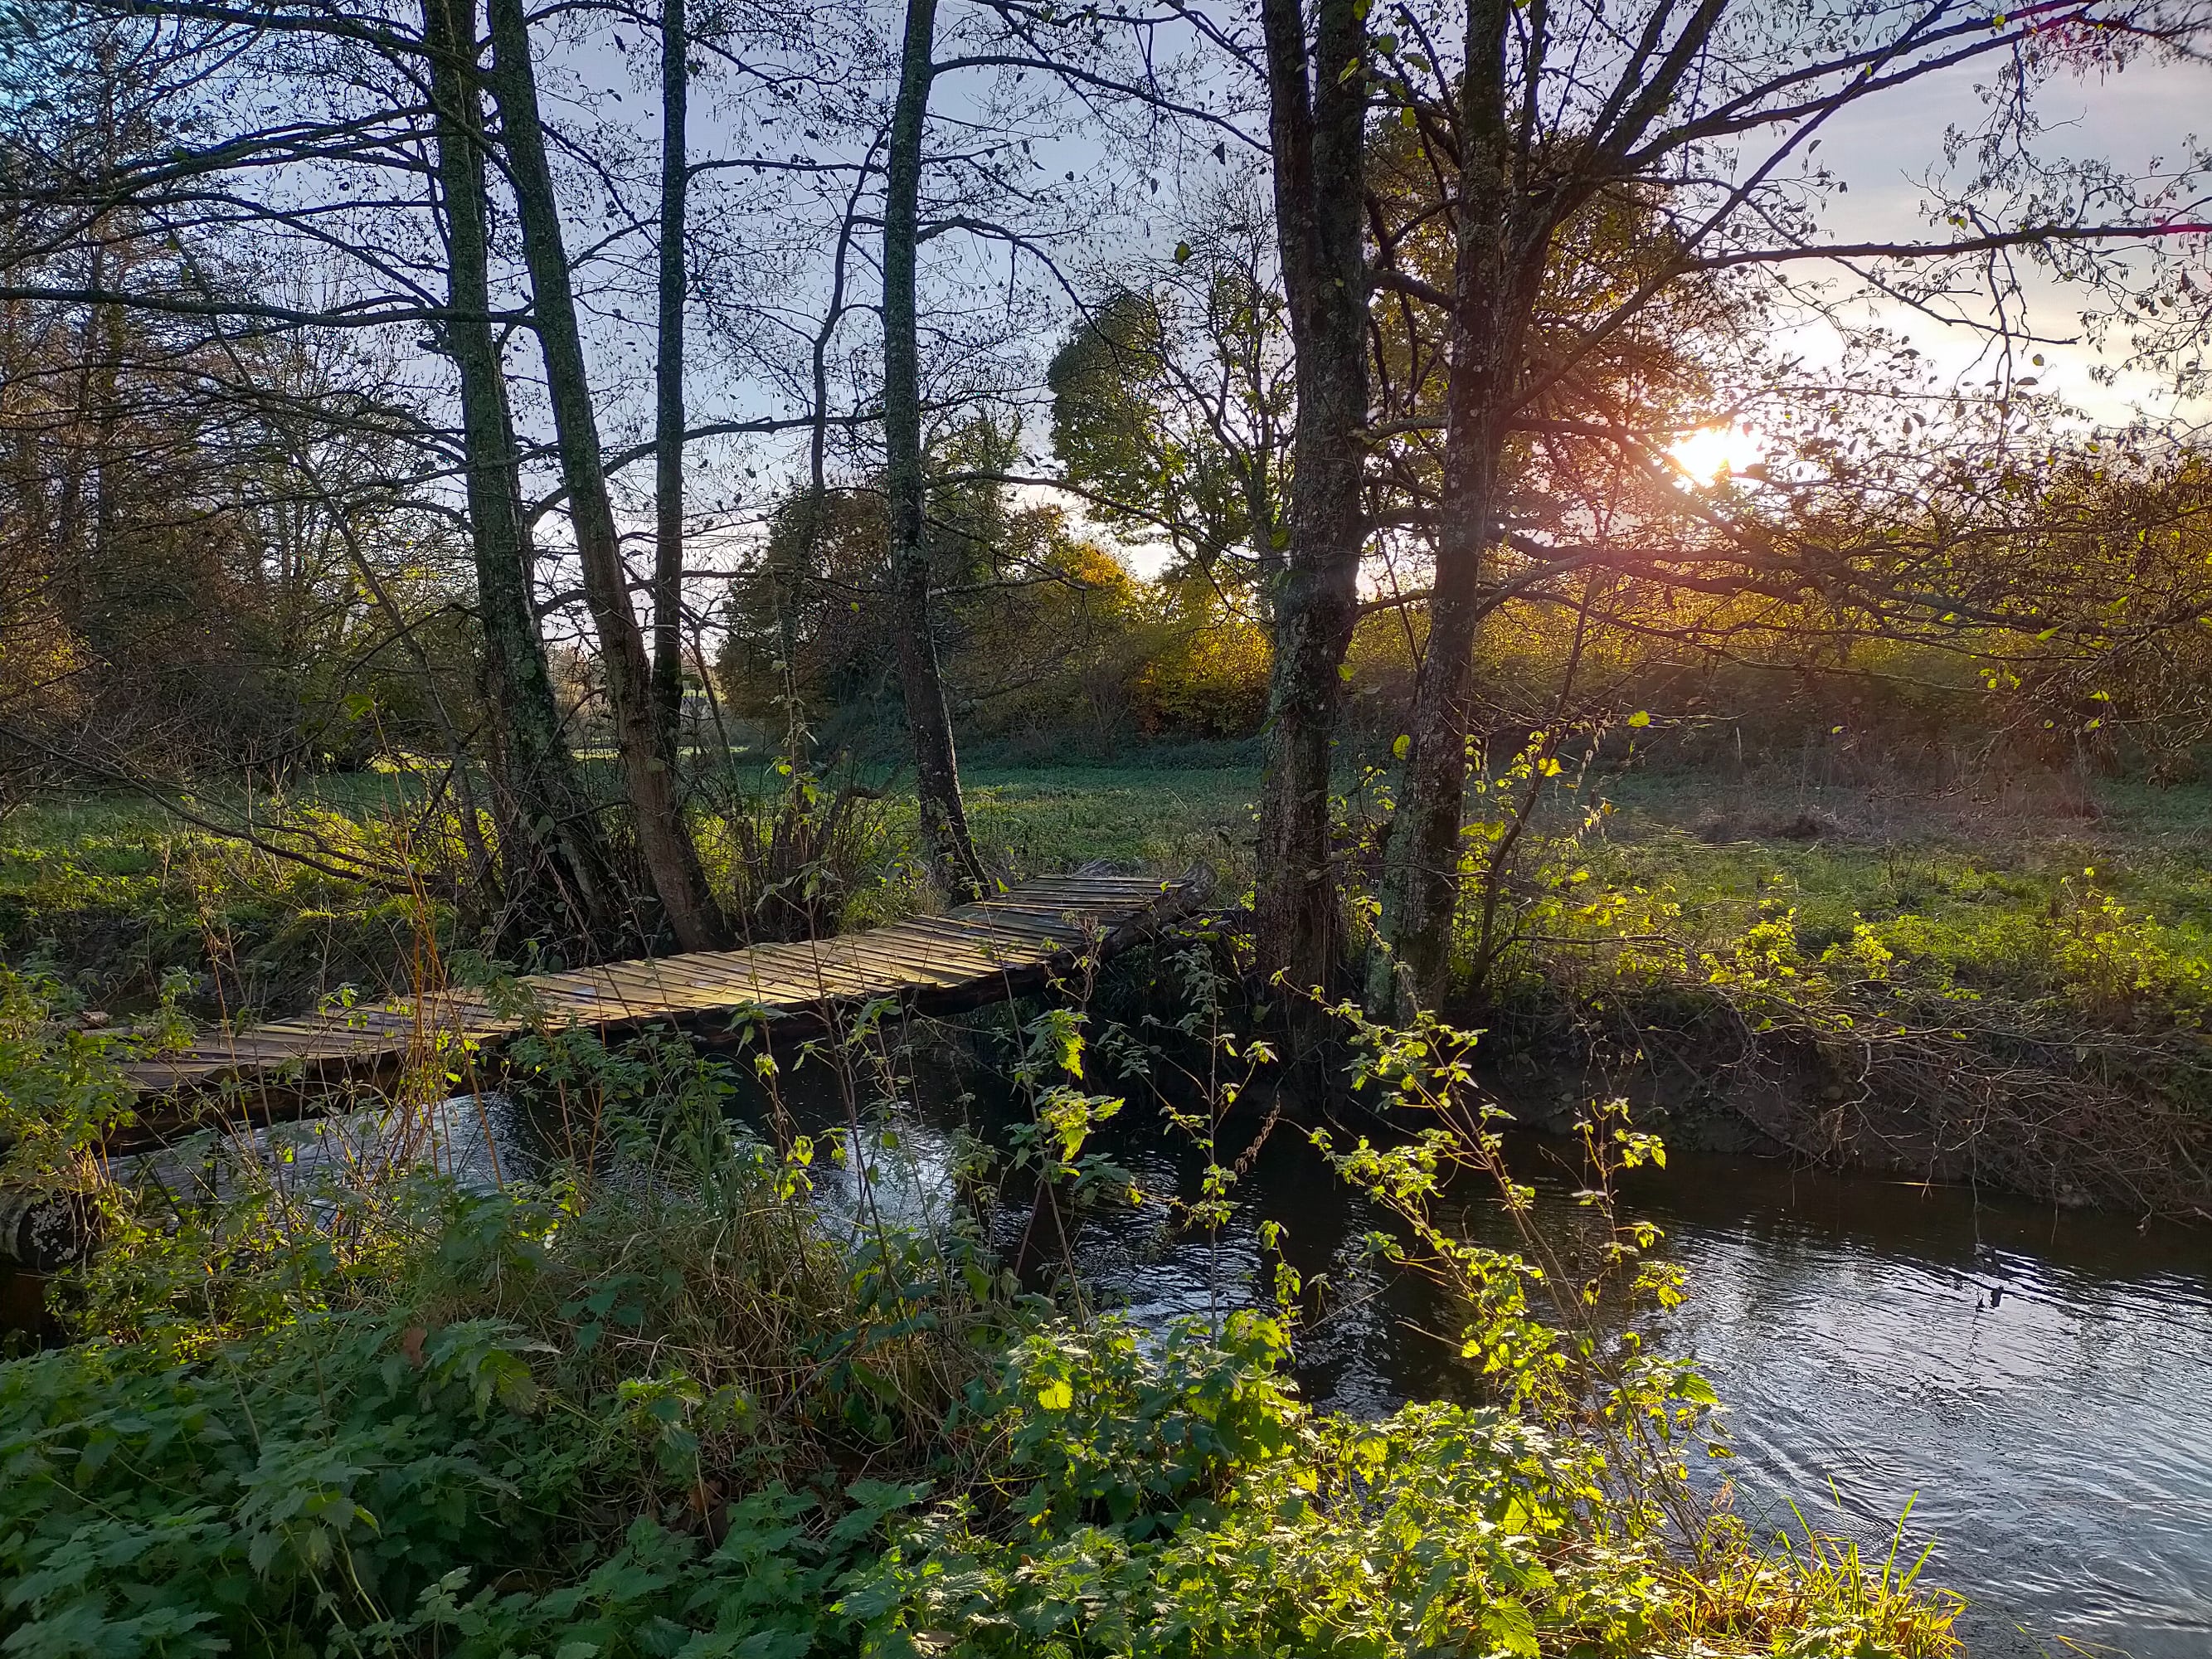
(651, 1407)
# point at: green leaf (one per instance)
(1694, 1388)
(1507, 1624)
(1641, 718)
(1056, 1395)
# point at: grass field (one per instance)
(1969, 881)
(115, 890)
(1163, 820)
(1969, 865)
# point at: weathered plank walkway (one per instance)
(976, 953)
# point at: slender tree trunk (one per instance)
(645, 747)
(1499, 262)
(1509, 208)
(108, 425)
(550, 829)
(790, 580)
(1421, 873)
(72, 463)
(668, 375)
(952, 851)
(1317, 122)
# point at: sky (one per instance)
(1883, 147)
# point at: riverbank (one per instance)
(2006, 986)
(2001, 979)
(660, 1397)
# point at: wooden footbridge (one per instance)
(976, 953)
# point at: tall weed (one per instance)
(653, 1404)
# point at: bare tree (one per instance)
(545, 807)
(1697, 108)
(668, 434)
(646, 745)
(950, 849)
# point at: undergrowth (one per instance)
(658, 1402)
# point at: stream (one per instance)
(2037, 1385)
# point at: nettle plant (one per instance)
(659, 1404)
(1583, 1366)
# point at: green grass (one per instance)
(1029, 818)
(1982, 889)
(109, 892)
(1162, 821)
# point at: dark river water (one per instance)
(2037, 1385)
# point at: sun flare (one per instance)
(1708, 453)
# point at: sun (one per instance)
(1713, 451)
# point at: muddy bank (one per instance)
(2072, 1135)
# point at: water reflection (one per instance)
(2044, 1384)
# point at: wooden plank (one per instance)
(773, 963)
(930, 951)
(1066, 913)
(615, 979)
(893, 972)
(621, 990)
(1032, 920)
(1082, 897)
(845, 978)
(935, 951)
(1006, 951)
(971, 952)
(1037, 942)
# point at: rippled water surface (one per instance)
(2038, 1386)
(2043, 1384)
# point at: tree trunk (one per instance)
(668, 376)
(1499, 261)
(550, 831)
(1318, 134)
(951, 850)
(792, 574)
(645, 747)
